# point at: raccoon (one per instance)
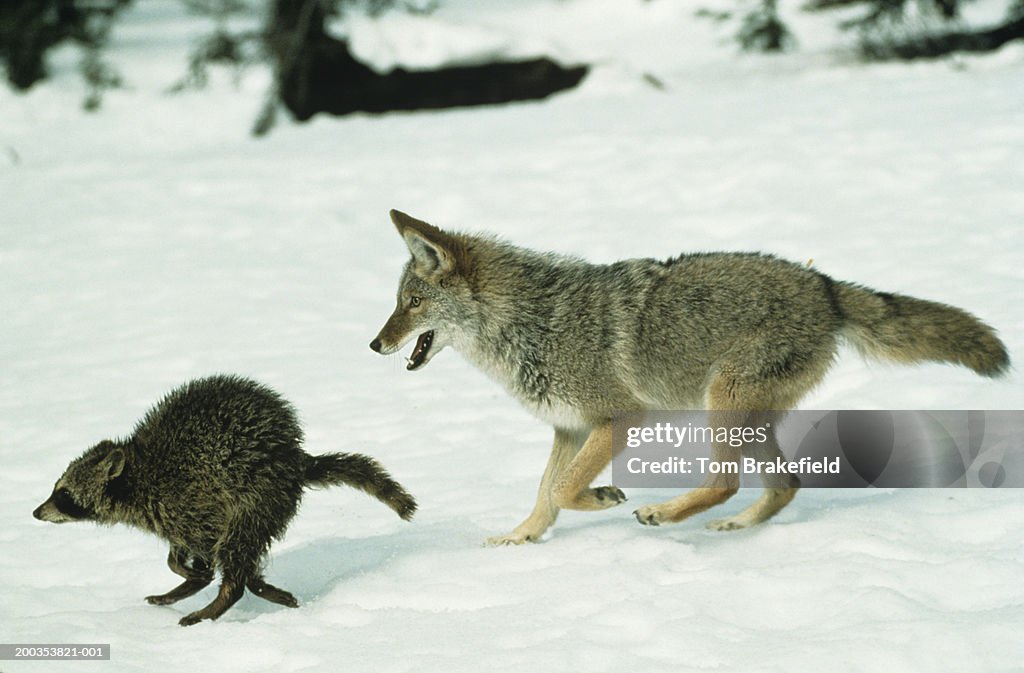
(216, 469)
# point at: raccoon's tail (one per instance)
(904, 329)
(364, 473)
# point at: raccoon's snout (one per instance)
(375, 345)
(61, 507)
(48, 512)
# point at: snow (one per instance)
(155, 241)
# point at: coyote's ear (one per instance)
(431, 248)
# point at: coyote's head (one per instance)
(435, 295)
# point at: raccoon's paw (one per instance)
(162, 599)
(609, 496)
(649, 515)
(269, 592)
(192, 618)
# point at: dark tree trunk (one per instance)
(317, 73)
(934, 46)
(27, 30)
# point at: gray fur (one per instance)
(576, 342)
(216, 469)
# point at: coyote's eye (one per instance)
(414, 301)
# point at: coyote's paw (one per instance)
(510, 539)
(590, 499)
(732, 523)
(609, 496)
(649, 515)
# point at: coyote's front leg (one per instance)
(576, 459)
(567, 444)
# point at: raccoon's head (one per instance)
(83, 493)
(434, 294)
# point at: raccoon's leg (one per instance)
(177, 559)
(197, 577)
(238, 554)
(545, 511)
(227, 596)
(271, 593)
(779, 489)
(571, 487)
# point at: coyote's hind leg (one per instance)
(779, 489)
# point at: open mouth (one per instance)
(419, 354)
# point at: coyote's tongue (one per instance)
(419, 354)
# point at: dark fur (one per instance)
(216, 469)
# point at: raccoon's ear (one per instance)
(112, 464)
(430, 247)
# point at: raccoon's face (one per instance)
(433, 295)
(81, 494)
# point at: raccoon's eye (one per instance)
(66, 504)
(414, 301)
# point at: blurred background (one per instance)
(325, 55)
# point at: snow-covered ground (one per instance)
(156, 241)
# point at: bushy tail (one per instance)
(905, 329)
(364, 473)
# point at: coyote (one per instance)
(577, 343)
